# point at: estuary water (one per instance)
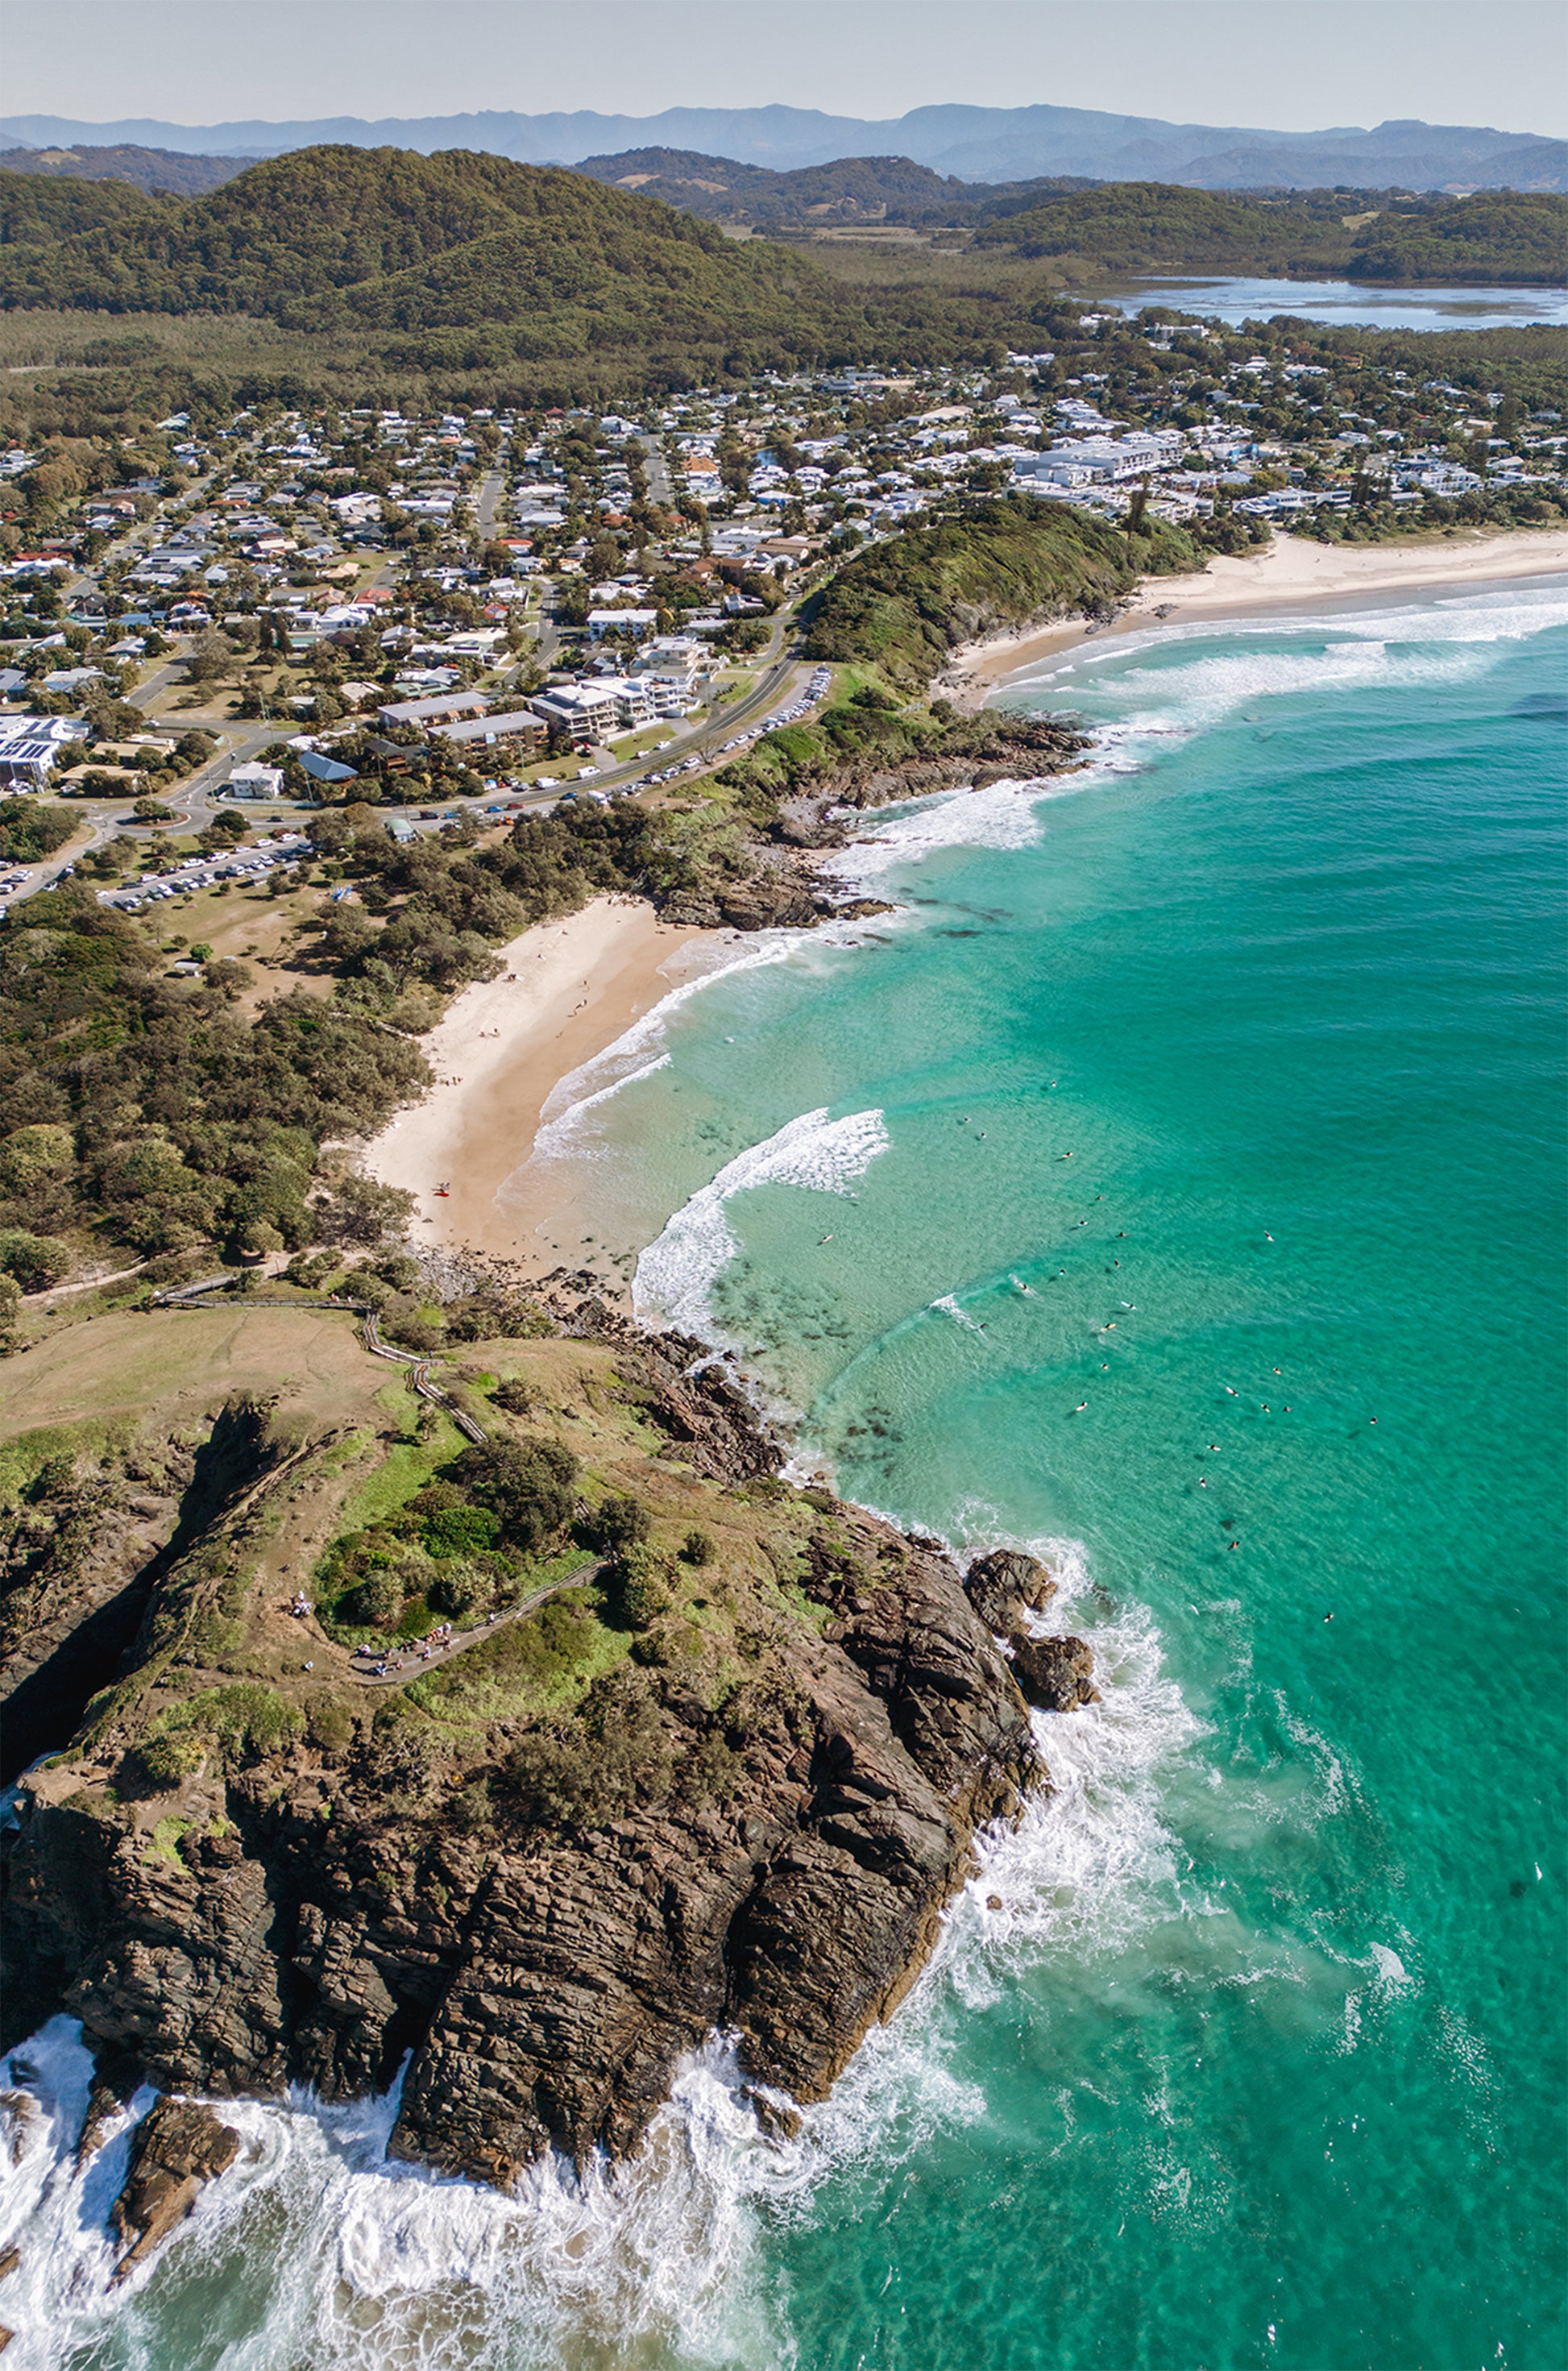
(1173, 1182)
(1343, 304)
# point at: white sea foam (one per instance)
(350, 2261)
(676, 1273)
(1436, 642)
(638, 1053)
(1004, 815)
(949, 1305)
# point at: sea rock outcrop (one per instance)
(1005, 1584)
(177, 2147)
(1057, 1674)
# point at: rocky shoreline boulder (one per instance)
(178, 2149)
(1055, 1673)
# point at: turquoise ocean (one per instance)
(1172, 1182)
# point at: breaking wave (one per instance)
(317, 2252)
(676, 1273)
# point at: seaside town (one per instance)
(217, 625)
(781, 1009)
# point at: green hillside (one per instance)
(848, 190)
(165, 170)
(1496, 235)
(905, 604)
(380, 240)
(1153, 227)
(36, 211)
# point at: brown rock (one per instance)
(775, 2117)
(177, 2147)
(1055, 1673)
(9, 2262)
(1005, 1584)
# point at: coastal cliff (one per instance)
(714, 1753)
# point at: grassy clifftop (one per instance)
(905, 604)
(726, 1771)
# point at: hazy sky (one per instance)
(1290, 64)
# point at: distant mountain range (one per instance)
(976, 144)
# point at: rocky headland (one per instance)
(726, 1773)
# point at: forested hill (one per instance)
(457, 257)
(1140, 226)
(1129, 227)
(851, 189)
(37, 213)
(146, 168)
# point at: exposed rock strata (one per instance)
(178, 2149)
(549, 1977)
(677, 1853)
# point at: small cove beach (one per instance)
(566, 990)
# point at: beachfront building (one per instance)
(443, 708)
(512, 725)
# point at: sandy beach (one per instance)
(567, 990)
(1290, 573)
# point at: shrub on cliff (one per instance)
(373, 1603)
(163, 1761)
(525, 1485)
(618, 1524)
(615, 1753)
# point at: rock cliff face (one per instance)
(783, 1875)
(752, 1819)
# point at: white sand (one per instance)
(567, 990)
(1290, 573)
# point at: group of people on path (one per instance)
(382, 1666)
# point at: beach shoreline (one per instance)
(1290, 574)
(567, 990)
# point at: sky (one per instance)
(1277, 65)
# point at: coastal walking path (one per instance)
(414, 1659)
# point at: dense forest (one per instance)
(388, 268)
(850, 190)
(36, 213)
(1129, 227)
(1144, 226)
(463, 262)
